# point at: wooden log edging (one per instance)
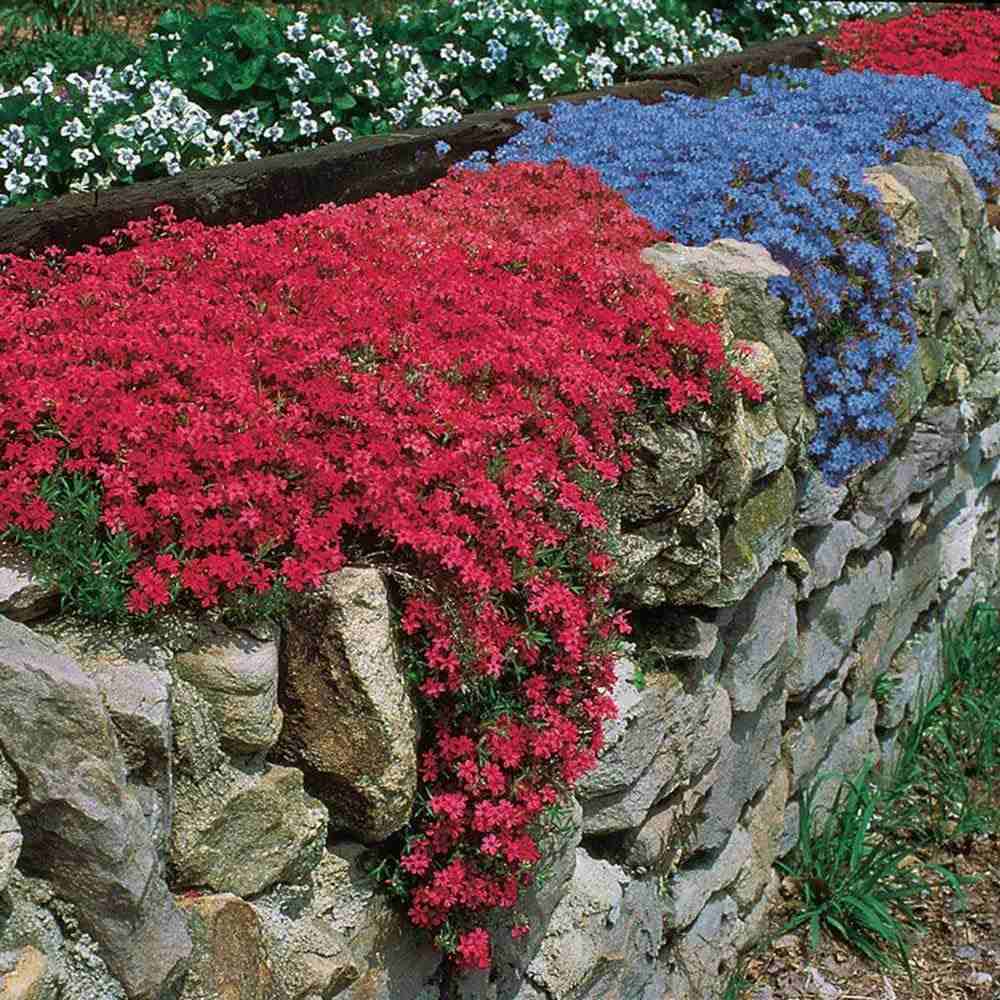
(345, 172)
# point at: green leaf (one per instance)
(344, 102)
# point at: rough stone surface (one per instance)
(760, 531)
(753, 313)
(24, 975)
(691, 888)
(393, 963)
(675, 560)
(603, 937)
(10, 831)
(682, 752)
(833, 616)
(240, 830)
(237, 675)
(23, 597)
(82, 825)
(229, 960)
(826, 549)
(760, 639)
(350, 722)
(748, 755)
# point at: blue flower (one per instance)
(706, 170)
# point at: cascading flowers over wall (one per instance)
(435, 382)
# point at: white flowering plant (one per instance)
(239, 83)
(758, 20)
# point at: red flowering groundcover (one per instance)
(437, 379)
(957, 43)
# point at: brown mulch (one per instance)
(955, 956)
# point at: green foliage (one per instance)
(67, 53)
(42, 16)
(950, 753)
(857, 881)
(77, 553)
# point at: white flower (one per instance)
(128, 158)
(297, 32)
(466, 58)
(36, 161)
(362, 26)
(342, 135)
(487, 64)
(273, 133)
(81, 157)
(171, 161)
(371, 88)
(17, 183)
(207, 65)
(308, 126)
(300, 109)
(536, 92)
(550, 72)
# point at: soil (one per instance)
(955, 956)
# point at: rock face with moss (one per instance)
(192, 813)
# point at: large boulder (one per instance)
(241, 829)
(84, 828)
(350, 721)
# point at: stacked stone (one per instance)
(187, 814)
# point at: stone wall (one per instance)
(189, 813)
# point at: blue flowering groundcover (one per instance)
(779, 162)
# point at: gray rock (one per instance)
(743, 269)
(350, 722)
(760, 640)
(693, 725)
(826, 549)
(241, 830)
(851, 748)
(30, 937)
(761, 530)
(237, 675)
(808, 739)
(914, 675)
(632, 739)
(10, 831)
(676, 560)
(25, 975)
(23, 596)
(818, 501)
(603, 938)
(197, 740)
(938, 435)
(137, 698)
(668, 460)
(831, 620)
(764, 821)
(394, 962)
(690, 888)
(748, 755)
(83, 827)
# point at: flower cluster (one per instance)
(709, 169)
(237, 83)
(954, 44)
(440, 378)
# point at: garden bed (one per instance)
(342, 173)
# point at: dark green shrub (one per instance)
(67, 53)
